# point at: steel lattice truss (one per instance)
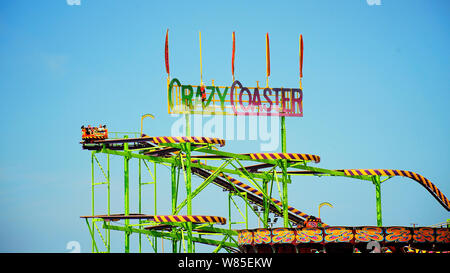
(249, 176)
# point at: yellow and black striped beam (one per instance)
(185, 139)
(164, 218)
(437, 194)
(94, 137)
(288, 156)
(189, 218)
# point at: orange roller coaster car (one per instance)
(90, 134)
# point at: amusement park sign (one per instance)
(234, 100)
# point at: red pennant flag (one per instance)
(301, 56)
(167, 52)
(267, 54)
(233, 54)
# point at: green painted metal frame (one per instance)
(152, 174)
(231, 163)
(176, 235)
(95, 162)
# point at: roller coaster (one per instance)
(186, 153)
(249, 177)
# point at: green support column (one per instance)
(189, 194)
(377, 183)
(109, 207)
(285, 194)
(154, 199)
(140, 203)
(187, 147)
(283, 134)
(285, 176)
(92, 195)
(154, 188)
(174, 199)
(126, 196)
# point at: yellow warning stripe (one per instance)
(183, 139)
(437, 194)
(189, 218)
(289, 156)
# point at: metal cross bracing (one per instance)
(250, 179)
(199, 156)
(180, 161)
(102, 168)
(185, 231)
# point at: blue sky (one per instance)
(376, 95)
